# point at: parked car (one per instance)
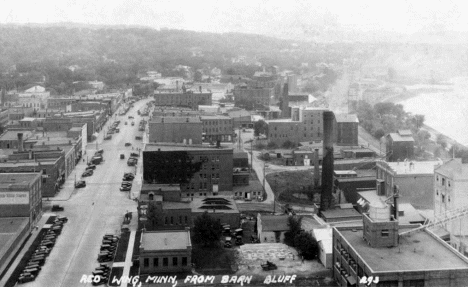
(117, 130)
(134, 154)
(126, 123)
(128, 144)
(88, 172)
(126, 183)
(24, 278)
(62, 219)
(125, 188)
(101, 151)
(122, 156)
(139, 138)
(80, 184)
(57, 207)
(133, 123)
(108, 137)
(91, 167)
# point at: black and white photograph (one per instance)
(158, 143)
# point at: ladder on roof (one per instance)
(440, 220)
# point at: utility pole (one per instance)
(251, 156)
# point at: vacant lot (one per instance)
(292, 186)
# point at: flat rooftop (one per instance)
(10, 230)
(411, 167)
(17, 178)
(215, 118)
(175, 119)
(417, 251)
(165, 240)
(340, 213)
(182, 147)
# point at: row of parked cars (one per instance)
(127, 179)
(108, 248)
(89, 171)
(38, 258)
(113, 129)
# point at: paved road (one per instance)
(92, 211)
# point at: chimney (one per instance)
(396, 194)
(285, 102)
(20, 142)
(327, 162)
(316, 168)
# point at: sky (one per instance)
(268, 17)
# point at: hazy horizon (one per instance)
(398, 21)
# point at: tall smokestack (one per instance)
(316, 168)
(327, 162)
(20, 142)
(285, 102)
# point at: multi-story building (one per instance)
(188, 99)
(450, 194)
(21, 195)
(379, 254)
(200, 170)
(253, 97)
(400, 146)
(174, 129)
(217, 128)
(414, 179)
(165, 252)
(305, 125)
(346, 130)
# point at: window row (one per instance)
(164, 262)
(173, 220)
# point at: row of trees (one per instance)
(383, 118)
(296, 237)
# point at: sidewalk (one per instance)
(34, 233)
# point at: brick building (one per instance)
(165, 252)
(217, 128)
(209, 169)
(400, 146)
(305, 125)
(21, 196)
(188, 99)
(346, 130)
(175, 129)
(253, 97)
(414, 179)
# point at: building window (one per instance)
(443, 198)
(172, 220)
(146, 262)
(166, 220)
(443, 181)
(165, 262)
(186, 219)
(184, 261)
(180, 219)
(174, 261)
(385, 233)
(155, 262)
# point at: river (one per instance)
(445, 110)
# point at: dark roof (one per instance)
(275, 222)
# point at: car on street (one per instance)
(80, 184)
(101, 151)
(128, 177)
(57, 207)
(122, 156)
(133, 123)
(108, 137)
(126, 183)
(24, 278)
(125, 188)
(91, 167)
(138, 137)
(131, 117)
(88, 172)
(128, 144)
(117, 130)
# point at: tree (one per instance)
(295, 227)
(206, 230)
(260, 127)
(197, 77)
(306, 245)
(441, 141)
(418, 121)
